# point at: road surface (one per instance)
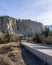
(41, 51)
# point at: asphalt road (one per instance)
(42, 48)
(30, 59)
(44, 52)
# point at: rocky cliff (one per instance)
(26, 27)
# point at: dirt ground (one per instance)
(10, 54)
(14, 54)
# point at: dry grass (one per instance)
(10, 54)
(5, 60)
(10, 44)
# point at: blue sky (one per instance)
(37, 10)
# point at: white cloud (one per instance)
(45, 18)
(40, 10)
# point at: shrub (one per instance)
(46, 32)
(37, 38)
(7, 37)
(1, 37)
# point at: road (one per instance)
(41, 51)
(30, 59)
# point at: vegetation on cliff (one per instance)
(44, 37)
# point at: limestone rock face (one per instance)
(20, 26)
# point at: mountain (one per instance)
(20, 26)
(50, 27)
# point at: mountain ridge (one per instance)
(50, 27)
(20, 26)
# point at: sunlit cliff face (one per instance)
(26, 27)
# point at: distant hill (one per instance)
(50, 27)
(20, 26)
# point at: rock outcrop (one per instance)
(20, 26)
